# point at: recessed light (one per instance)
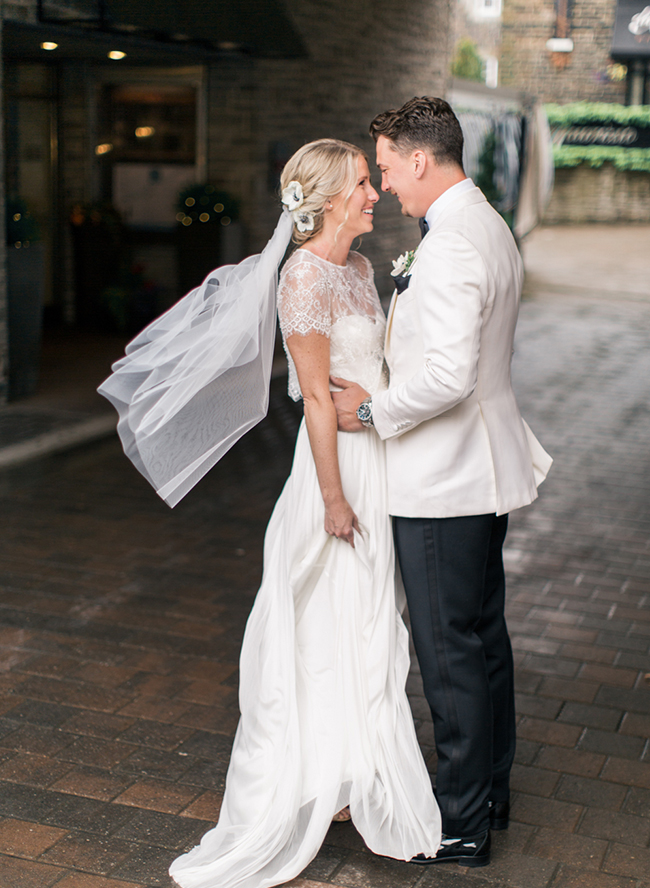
(144, 132)
(48, 45)
(104, 149)
(116, 54)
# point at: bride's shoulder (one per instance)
(361, 263)
(301, 263)
(302, 276)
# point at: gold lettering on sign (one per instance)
(604, 135)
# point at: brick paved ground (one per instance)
(120, 625)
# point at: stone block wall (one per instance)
(528, 65)
(583, 194)
(363, 57)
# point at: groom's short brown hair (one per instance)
(427, 123)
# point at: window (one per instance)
(488, 8)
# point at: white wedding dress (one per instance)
(325, 720)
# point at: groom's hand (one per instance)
(346, 403)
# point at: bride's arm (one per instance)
(311, 355)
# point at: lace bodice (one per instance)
(340, 302)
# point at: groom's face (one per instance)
(399, 177)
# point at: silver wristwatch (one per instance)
(364, 413)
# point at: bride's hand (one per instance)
(340, 521)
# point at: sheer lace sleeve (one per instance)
(304, 298)
(363, 266)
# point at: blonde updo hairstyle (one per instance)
(325, 168)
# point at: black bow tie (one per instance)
(424, 226)
(401, 282)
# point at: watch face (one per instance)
(364, 411)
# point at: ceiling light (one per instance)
(48, 45)
(143, 132)
(116, 54)
(103, 149)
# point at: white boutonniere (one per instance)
(402, 265)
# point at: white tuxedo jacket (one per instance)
(456, 443)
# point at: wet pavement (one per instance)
(121, 620)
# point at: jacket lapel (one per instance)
(473, 196)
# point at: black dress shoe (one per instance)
(499, 815)
(467, 851)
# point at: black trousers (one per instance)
(455, 587)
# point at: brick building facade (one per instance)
(582, 75)
(355, 58)
(588, 69)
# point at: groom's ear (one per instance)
(420, 162)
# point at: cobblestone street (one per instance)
(121, 621)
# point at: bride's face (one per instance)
(358, 208)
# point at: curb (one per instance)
(58, 439)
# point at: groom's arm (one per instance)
(451, 297)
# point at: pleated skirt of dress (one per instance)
(325, 720)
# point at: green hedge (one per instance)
(588, 112)
(596, 155)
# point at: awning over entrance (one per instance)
(261, 27)
(631, 30)
(160, 30)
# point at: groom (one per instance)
(460, 457)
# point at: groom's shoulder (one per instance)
(475, 233)
(473, 217)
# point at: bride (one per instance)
(325, 721)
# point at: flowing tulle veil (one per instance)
(197, 378)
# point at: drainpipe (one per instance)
(637, 82)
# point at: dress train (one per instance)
(325, 721)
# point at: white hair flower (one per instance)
(304, 220)
(292, 196)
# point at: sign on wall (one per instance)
(608, 134)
